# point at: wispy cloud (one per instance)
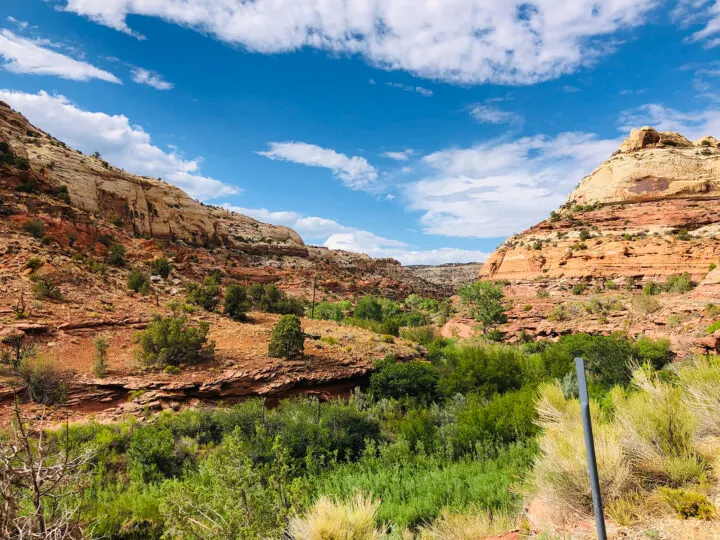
(492, 114)
(418, 89)
(120, 142)
(706, 12)
(459, 41)
(692, 124)
(28, 56)
(499, 188)
(353, 171)
(151, 78)
(403, 155)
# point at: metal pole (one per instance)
(312, 310)
(590, 448)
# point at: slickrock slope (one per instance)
(452, 274)
(650, 212)
(83, 199)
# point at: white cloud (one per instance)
(145, 76)
(22, 25)
(121, 143)
(499, 188)
(461, 41)
(705, 11)
(490, 114)
(403, 155)
(418, 89)
(379, 247)
(355, 172)
(29, 56)
(333, 235)
(693, 124)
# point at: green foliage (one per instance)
(329, 311)
(205, 295)
(485, 302)
(43, 383)
(270, 299)
(236, 302)
(584, 234)
(684, 235)
(33, 263)
(679, 283)
(151, 454)
(160, 267)
(657, 353)
(35, 227)
(100, 358)
(287, 339)
(712, 328)
(138, 281)
(688, 504)
(485, 370)
(173, 341)
(43, 289)
(579, 288)
(116, 255)
(417, 380)
(368, 308)
(651, 288)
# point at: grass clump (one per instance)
(645, 304)
(43, 384)
(688, 504)
(330, 519)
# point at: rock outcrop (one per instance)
(649, 213)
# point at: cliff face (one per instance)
(84, 200)
(652, 209)
(648, 214)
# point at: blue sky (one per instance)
(421, 130)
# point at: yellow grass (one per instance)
(338, 520)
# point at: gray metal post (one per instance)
(590, 448)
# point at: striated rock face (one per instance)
(654, 165)
(650, 212)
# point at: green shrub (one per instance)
(645, 304)
(683, 234)
(329, 340)
(151, 454)
(712, 328)
(236, 302)
(138, 281)
(329, 311)
(579, 288)
(688, 504)
(368, 308)
(287, 339)
(397, 380)
(270, 299)
(44, 385)
(712, 266)
(63, 194)
(611, 285)
(421, 334)
(116, 255)
(100, 358)
(679, 283)
(35, 227)
(205, 295)
(483, 370)
(584, 234)
(160, 267)
(651, 288)
(656, 353)
(174, 341)
(33, 263)
(44, 289)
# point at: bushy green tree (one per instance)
(236, 302)
(398, 380)
(485, 303)
(205, 294)
(171, 341)
(151, 454)
(483, 370)
(287, 339)
(160, 267)
(369, 309)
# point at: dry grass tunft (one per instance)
(338, 520)
(662, 432)
(560, 472)
(467, 527)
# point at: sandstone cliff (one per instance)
(610, 258)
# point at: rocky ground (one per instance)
(454, 275)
